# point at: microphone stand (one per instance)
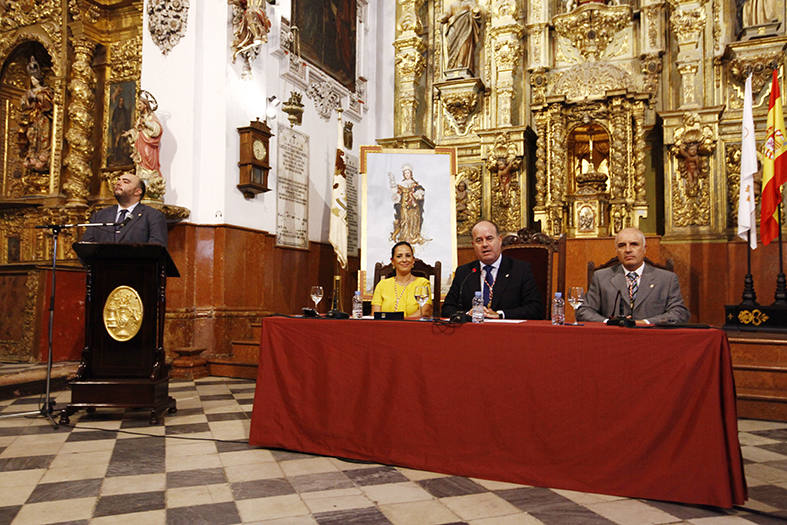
(48, 406)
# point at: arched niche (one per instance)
(588, 149)
(17, 180)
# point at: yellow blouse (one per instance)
(387, 291)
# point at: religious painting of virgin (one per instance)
(120, 108)
(408, 195)
(327, 33)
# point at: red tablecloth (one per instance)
(644, 413)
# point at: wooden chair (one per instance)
(540, 250)
(668, 265)
(420, 269)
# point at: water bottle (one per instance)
(558, 309)
(478, 308)
(357, 305)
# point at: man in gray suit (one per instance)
(133, 221)
(649, 295)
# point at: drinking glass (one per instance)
(576, 298)
(421, 295)
(316, 293)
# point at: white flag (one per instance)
(747, 221)
(338, 231)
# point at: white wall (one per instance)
(203, 97)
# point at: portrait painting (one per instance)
(120, 114)
(327, 32)
(408, 195)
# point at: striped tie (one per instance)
(633, 287)
(488, 284)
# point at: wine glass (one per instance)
(316, 293)
(576, 298)
(421, 295)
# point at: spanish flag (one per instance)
(774, 166)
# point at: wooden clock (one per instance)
(254, 163)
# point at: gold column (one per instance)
(80, 125)
(506, 36)
(410, 65)
(687, 24)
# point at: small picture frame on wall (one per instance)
(119, 119)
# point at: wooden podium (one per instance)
(123, 362)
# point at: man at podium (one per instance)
(133, 222)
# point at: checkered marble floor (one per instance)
(112, 467)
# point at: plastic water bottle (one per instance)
(558, 309)
(478, 308)
(357, 305)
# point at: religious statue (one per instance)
(145, 138)
(759, 12)
(251, 27)
(408, 197)
(35, 123)
(463, 25)
(505, 169)
(461, 201)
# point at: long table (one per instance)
(646, 413)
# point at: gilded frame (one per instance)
(433, 173)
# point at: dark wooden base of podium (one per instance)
(120, 393)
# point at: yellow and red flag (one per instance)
(774, 166)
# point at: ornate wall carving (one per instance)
(168, 21)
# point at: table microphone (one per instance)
(621, 319)
(461, 317)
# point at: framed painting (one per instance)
(327, 33)
(120, 114)
(407, 195)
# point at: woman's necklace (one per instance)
(399, 295)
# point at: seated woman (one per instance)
(397, 293)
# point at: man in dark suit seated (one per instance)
(649, 295)
(509, 289)
(133, 221)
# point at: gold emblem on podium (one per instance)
(123, 313)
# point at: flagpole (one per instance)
(780, 297)
(749, 295)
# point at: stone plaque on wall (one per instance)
(292, 189)
(351, 163)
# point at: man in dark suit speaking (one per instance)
(133, 221)
(641, 292)
(507, 285)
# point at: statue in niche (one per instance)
(461, 201)
(145, 138)
(760, 12)
(462, 23)
(506, 170)
(34, 136)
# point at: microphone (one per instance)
(119, 225)
(461, 317)
(621, 319)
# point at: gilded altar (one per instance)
(69, 77)
(587, 116)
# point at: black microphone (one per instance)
(459, 316)
(119, 225)
(621, 319)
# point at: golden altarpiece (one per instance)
(587, 115)
(69, 75)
